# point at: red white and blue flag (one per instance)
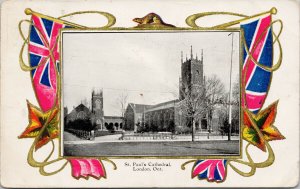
(210, 169)
(44, 53)
(259, 40)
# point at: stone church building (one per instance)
(95, 114)
(166, 116)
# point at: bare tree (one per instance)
(235, 96)
(236, 91)
(199, 100)
(215, 95)
(193, 104)
(235, 106)
(122, 101)
(215, 89)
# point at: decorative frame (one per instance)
(146, 30)
(257, 128)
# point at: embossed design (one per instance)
(37, 120)
(152, 20)
(211, 169)
(44, 60)
(87, 167)
(261, 125)
(264, 121)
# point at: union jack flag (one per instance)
(210, 169)
(259, 40)
(44, 53)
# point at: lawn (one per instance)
(165, 148)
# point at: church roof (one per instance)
(163, 105)
(81, 107)
(139, 108)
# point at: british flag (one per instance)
(44, 57)
(259, 41)
(210, 169)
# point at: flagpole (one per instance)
(273, 11)
(191, 19)
(29, 11)
(229, 119)
(111, 19)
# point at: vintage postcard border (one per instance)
(45, 128)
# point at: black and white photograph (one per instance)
(150, 93)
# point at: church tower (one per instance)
(97, 108)
(191, 73)
(197, 70)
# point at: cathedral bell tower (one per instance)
(191, 73)
(97, 108)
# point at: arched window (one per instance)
(98, 104)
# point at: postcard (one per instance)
(169, 94)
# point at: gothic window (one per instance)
(81, 115)
(98, 104)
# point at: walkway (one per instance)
(72, 139)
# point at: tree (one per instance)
(222, 113)
(122, 101)
(215, 94)
(236, 92)
(192, 104)
(199, 100)
(235, 106)
(234, 103)
(81, 124)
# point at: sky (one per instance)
(144, 65)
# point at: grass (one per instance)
(166, 148)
